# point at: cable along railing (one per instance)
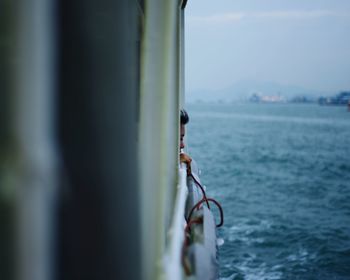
(192, 249)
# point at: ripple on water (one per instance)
(282, 175)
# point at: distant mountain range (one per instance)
(242, 90)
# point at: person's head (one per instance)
(184, 119)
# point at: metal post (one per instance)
(35, 112)
(98, 115)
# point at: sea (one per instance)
(282, 175)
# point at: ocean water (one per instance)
(282, 175)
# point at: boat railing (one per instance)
(192, 246)
(173, 256)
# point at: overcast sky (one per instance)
(292, 42)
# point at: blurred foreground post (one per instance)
(34, 111)
(76, 112)
(98, 114)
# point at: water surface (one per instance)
(282, 174)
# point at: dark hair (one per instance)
(184, 119)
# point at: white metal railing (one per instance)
(159, 131)
(172, 259)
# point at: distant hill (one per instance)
(243, 89)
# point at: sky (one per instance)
(304, 43)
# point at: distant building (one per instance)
(272, 99)
(342, 98)
(257, 97)
(301, 99)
